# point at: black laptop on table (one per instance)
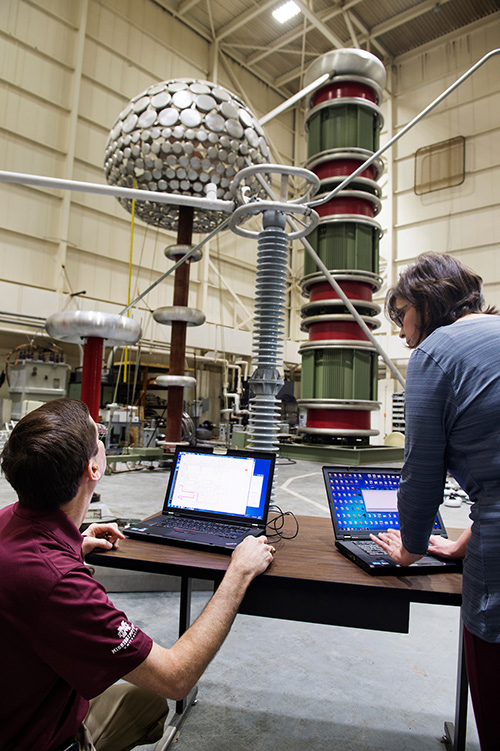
(213, 500)
(363, 501)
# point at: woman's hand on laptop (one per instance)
(445, 548)
(252, 556)
(390, 542)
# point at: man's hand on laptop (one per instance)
(252, 556)
(101, 537)
(390, 542)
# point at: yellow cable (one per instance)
(129, 281)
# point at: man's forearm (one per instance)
(173, 672)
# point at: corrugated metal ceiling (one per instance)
(246, 31)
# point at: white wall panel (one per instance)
(463, 220)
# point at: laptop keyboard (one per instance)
(370, 547)
(205, 527)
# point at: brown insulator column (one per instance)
(173, 432)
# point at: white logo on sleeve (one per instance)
(126, 632)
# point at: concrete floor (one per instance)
(283, 685)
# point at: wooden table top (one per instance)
(311, 556)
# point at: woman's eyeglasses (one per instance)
(399, 315)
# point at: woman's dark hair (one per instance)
(47, 453)
(442, 290)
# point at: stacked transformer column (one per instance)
(339, 363)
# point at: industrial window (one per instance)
(439, 166)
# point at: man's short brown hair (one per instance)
(47, 453)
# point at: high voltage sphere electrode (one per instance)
(177, 137)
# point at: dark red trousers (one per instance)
(483, 672)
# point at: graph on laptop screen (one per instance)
(232, 485)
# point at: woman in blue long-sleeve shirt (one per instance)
(452, 413)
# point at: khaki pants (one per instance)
(121, 718)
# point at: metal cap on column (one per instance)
(93, 330)
(339, 363)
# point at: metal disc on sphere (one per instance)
(225, 141)
(252, 137)
(246, 118)
(221, 95)
(190, 118)
(213, 137)
(147, 118)
(234, 128)
(130, 123)
(229, 110)
(126, 112)
(215, 122)
(178, 132)
(201, 135)
(161, 100)
(168, 116)
(205, 102)
(156, 88)
(258, 128)
(174, 86)
(141, 104)
(199, 88)
(183, 99)
(191, 135)
(116, 131)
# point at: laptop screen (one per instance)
(364, 501)
(223, 484)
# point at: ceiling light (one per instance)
(286, 11)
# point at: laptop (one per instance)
(364, 501)
(213, 500)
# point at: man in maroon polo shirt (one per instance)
(64, 644)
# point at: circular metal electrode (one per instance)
(178, 136)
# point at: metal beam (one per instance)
(318, 24)
(402, 18)
(297, 33)
(368, 36)
(186, 6)
(350, 27)
(244, 19)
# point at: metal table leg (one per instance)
(182, 707)
(455, 734)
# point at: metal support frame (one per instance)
(183, 707)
